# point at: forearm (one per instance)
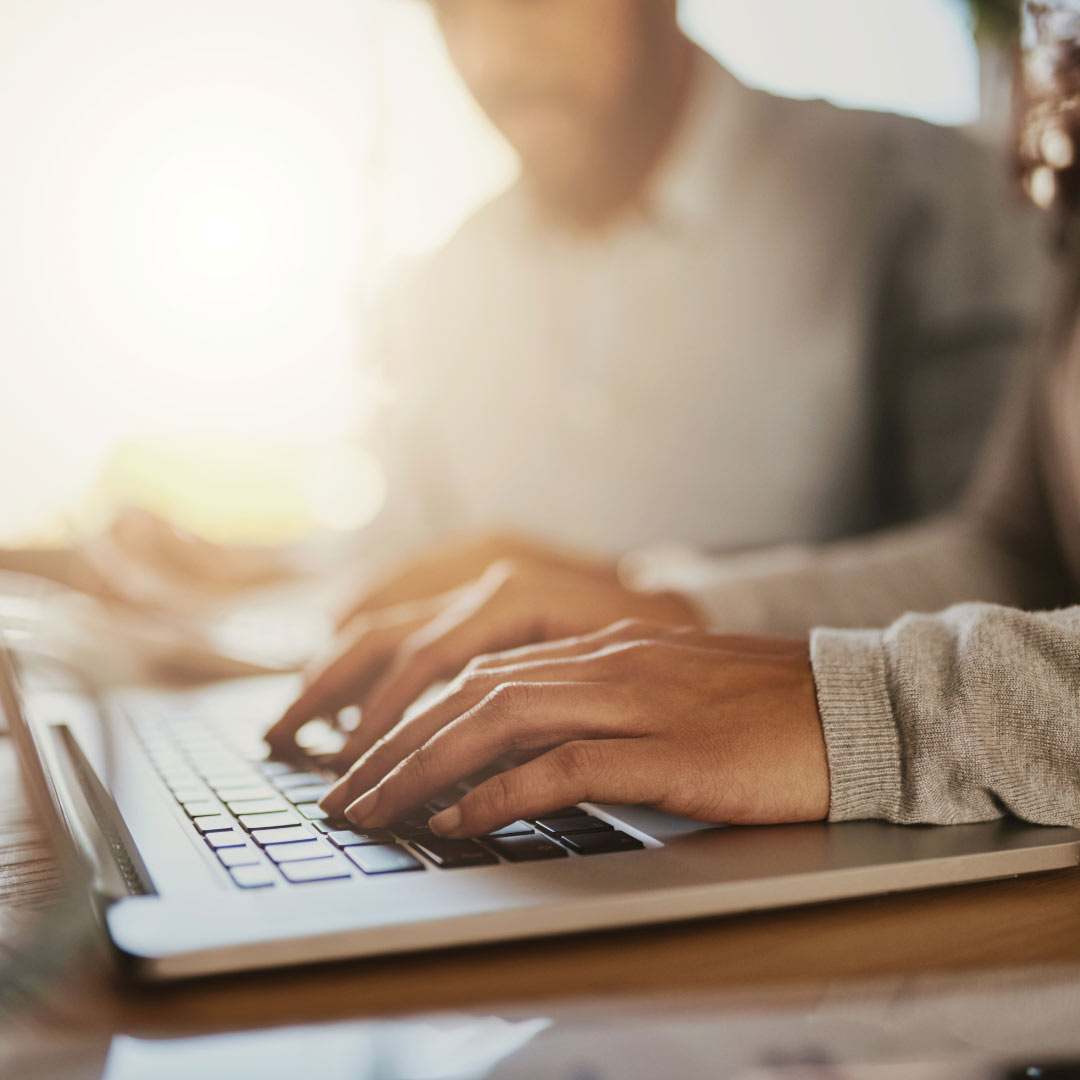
(864, 582)
(957, 717)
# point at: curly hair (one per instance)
(1048, 129)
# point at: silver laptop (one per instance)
(204, 857)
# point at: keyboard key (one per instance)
(180, 778)
(307, 793)
(292, 835)
(568, 811)
(568, 826)
(296, 779)
(602, 843)
(384, 859)
(314, 870)
(312, 811)
(201, 808)
(274, 768)
(212, 755)
(190, 792)
(239, 856)
(257, 806)
(411, 830)
(417, 836)
(253, 877)
(210, 751)
(354, 838)
(283, 853)
(442, 799)
(220, 763)
(270, 821)
(212, 824)
(451, 854)
(328, 825)
(228, 779)
(250, 791)
(525, 848)
(517, 828)
(226, 838)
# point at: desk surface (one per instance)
(998, 924)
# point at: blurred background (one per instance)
(200, 203)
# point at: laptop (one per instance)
(204, 857)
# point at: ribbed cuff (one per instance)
(861, 738)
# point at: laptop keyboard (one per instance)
(262, 821)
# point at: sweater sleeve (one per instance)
(866, 582)
(957, 717)
(960, 716)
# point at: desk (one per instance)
(997, 924)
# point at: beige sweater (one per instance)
(974, 711)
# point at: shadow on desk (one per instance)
(996, 1025)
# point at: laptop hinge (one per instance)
(120, 870)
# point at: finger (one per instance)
(143, 535)
(639, 630)
(464, 693)
(590, 659)
(608, 770)
(384, 755)
(340, 683)
(362, 768)
(462, 697)
(583, 644)
(448, 568)
(438, 651)
(398, 591)
(515, 717)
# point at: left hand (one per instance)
(452, 564)
(143, 561)
(388, 658)
(707, 726)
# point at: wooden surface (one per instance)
(999, 924)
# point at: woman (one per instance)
(953, 717)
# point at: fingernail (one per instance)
(359, 811)
(446, 821)
(331, 801)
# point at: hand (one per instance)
(450, 565)
(391, 657)
(144, 561)
(711, 727)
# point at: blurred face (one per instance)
(565, 81)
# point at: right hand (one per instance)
(389, 657)
(708, 726)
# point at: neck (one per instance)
(638, 145)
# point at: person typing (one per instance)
(960, 716)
